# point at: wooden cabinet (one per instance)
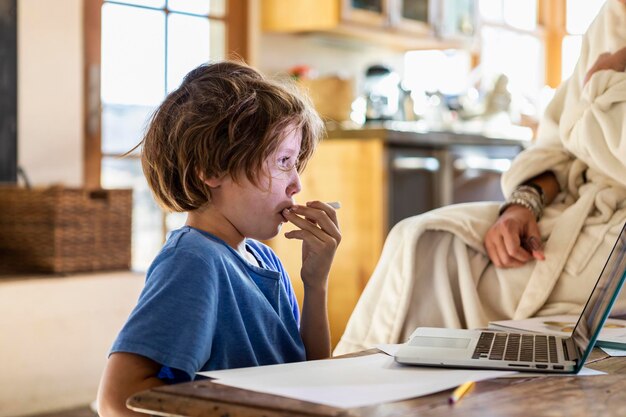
(374, 13)
(413, 16)
(299, 16)
(401, 24)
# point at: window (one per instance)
(578, 17)
(144, 49)
(511, 44)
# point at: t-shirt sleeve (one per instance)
(175, 318)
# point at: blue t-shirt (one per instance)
(204, 307)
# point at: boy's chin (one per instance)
(267, 235)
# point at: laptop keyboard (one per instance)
(516, 347)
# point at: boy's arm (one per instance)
(314, 327)
(125, 374)
(320, 235)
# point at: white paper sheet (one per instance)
(389, 348)
(614, 352)
(349, 382)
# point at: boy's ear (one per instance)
(213, 182)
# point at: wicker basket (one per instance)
(62, 230)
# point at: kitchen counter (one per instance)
(418, 133)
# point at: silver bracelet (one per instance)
(525, 196)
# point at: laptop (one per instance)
(528, 352)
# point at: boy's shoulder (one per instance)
(209, 249)
(189, 238)
(190, 242)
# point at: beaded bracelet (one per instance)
(525, 196)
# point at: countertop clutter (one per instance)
(422, 133)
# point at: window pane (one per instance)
(218, 35)
(191, 42)
(147, 237)
(147, 3)
(580, 14)
(518, 56)
(123, 126)
(434, 70)
(571, 52)
(188, 46)
(521, 14)
(458, 18)
(204, 7)
(133, 69)
(490, 10)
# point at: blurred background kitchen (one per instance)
(426, 103)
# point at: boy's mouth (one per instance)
(280, 212)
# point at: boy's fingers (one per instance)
(320, 218)
(305, 224)
(308, 237)
(330, 211)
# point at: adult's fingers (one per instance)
(505, 258)
(492, 252)
(513, 246)
(533, 241)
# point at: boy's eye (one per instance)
(285, 162)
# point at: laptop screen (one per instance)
(601, 300)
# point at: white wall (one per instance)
(328, 55)
(55, 334)
(50, 88)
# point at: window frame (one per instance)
(237, 21)
(551, 17)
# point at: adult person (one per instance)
(538, 254)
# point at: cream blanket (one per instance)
(434, 270)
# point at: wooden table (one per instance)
(571, 396)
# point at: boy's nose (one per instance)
(295, 186)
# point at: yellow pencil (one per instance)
(460, 391)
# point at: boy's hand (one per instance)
(320, 235)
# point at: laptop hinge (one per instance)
(569, 350)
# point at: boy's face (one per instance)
(253, 211)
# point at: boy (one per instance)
(226, 147)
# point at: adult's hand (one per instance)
(615, 61)
(514, 239)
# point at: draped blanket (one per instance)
(434, 270)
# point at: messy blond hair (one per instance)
(224, 119)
